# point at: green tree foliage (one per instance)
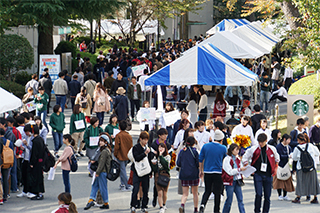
(16, 54)
(66, 46)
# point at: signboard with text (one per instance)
(52, 62)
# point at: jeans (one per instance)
(101, 183)
(100, 116)
(5, 182)
(265, 183)
(170, 134)
(134, 104)
(58, 140)
(213, 183)
(264, 97)
(123, 173)
(274, 85)
(238, 191)
(43, 115)
(136, 180)
(66, 180)
(13, 173)
(61, 100)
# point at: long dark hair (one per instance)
(83, 91)
(108, 145)
(171, 107)
(186, 134)
(38, 118)
(183, 123)
(219, 98)
(165, 153)
(232, 147)
(76, 109)
(70, 139)
(66, 198)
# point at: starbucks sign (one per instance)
(300, 107)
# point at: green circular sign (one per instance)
(300, 107)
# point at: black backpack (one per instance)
(73, 161)
(114, 172)
(306, 160)
(48, 160)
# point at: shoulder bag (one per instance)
(284, 173)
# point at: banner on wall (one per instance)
(53, 63)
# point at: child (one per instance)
(245, 109)
(65, 204)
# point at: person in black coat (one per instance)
(119, 82)
(36, 164)
(275, 137)
(120, 104)
(74, 88)
(46, 83)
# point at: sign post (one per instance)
(52, 62)
(297, 107)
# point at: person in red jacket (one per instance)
(65, 204)
(265, 159)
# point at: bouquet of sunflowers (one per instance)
(243, 141)
(173, 160)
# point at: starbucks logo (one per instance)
(300, 107)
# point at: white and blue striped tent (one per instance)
(204, 65)
(227, 24)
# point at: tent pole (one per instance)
(151, 100)
(255, 93)
(144, 92)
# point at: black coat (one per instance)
(36, 161)
(121, 107)
(116, 84)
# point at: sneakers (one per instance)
(314, 201)
(211, 196)
(80, 153)
(124, 189)
(38, 197)
(308, 198)
(22, 194)
(280, 198)
(104, 206)
(121, 186)
(144, 210)
(181, 210)
(201, 210)
(296, 200)
(286, 198)
(30, 195)
(89, 205)
(133, 210)
(162, 210)
(1, 202)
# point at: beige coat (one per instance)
(87, 111)
(101, 100)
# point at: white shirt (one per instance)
(313, 151)
(281, 92)
(178, 139)
(288, 73)
(202, 137)
(203, 102)
(241, 130)
(266, 131)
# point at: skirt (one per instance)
(307, 183)
(160, 188)
(190, 182)
(286, 185)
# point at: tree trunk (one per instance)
(291, 13)
(99, 25)
(185, 28)
(91, 30)
(45, 43)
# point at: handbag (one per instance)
(240, 182)
(284, 173)
(94, 166)
(163, 179)
(142, 167)
(129, 124)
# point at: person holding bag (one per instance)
(85, 102)
(161, 168)
(232, 179)
(283, 179)
(140, 153)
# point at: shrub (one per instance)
(66, 46)
(17, 89)
(22, 77)
(16, 54)
(307, 86)
(74, 64)
(78, 40)
(93, 57)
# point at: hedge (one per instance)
(17, 89)
(307, 86)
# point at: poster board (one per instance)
(148, 113)
(297, 107)
(138, 70)
(53, 63)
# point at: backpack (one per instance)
(114, 171)
(7, 156)
(48, 160)
(73, 161)
(84, 102)
(306, 160)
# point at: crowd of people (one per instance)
(201, 145)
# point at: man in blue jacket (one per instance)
(74, 88)
(210, 158)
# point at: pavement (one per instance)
(120, 201)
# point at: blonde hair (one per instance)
(317, 118)
(208, 122)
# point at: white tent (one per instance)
(232, 45)
(258, 41)
(257, 26)
(227, 25)
(9, 101)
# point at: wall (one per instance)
(31, 34)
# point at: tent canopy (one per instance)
(9, 101)
(233, 45)
(204, 65)
(227, 25)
